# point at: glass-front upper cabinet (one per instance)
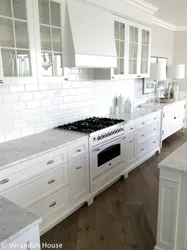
(145, 52)
(133, 50)
(49, 32)
(17, 44)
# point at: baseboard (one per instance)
(158, 248)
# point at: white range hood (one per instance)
(90, 37)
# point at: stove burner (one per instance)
(90, 125)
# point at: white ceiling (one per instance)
(172, 11)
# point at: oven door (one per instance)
(107, 157)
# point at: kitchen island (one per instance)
(19, 228)
(172, 212)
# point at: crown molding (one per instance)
(163, 24)
(181, 28)
(143, 5)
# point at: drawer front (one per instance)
(147, 120)
(58, 202)
(77, 149)
(26, 170)
(130, 128)
(146, 146)
(36, 188)
(148, 132)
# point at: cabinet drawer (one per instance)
(56, 203)
(28, 169)
(148, 132)
(147, 120)
(36, 188)
(77, 149)
(130, 128)
(147, 145)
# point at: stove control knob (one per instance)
(122, 129)
(118, 130)
(99, 137)
(102, 136)
(109, 133)
(115, 131)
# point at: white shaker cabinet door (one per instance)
(130, 150)
(78, 178)
(17, 43)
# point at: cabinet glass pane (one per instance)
(19, 9)
(116, 30)
(121, 66)
(145, 37)
(57, 64)
(117, 47)
(132, 66)
(144, 67)
(55, 14)
(44, 11)
(122, 31)
(57, 41)
(122, 48)
(133, 50)
(47, 64)
(5, 8)
(133, 34)
(23, 63)
(6, 33)
(45, 36)
(9, 62)
(145, 52)
(21, 35)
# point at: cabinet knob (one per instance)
(139, 76)
(131, 128)
(112, 77)
(142, 149)
(52, 204)
(1, 81)
(142, 135)
(51, 181)
(79, 167)
(4, 181)
(175, 118)
(66, 79)
(78, 151)
(50, 162)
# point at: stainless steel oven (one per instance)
(107, 156)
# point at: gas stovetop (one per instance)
(90, 125)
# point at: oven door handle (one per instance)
(113, 143)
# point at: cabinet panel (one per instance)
(78, 178)
(130, 152)
(17, 42)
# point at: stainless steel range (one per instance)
(106, 142)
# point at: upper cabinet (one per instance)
(48, 16)
(17, 42)
(133, 49)
(90, 41)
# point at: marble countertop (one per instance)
(159, 105)
(137, 113)
(19, 150)
(176, 160)
(14, 221)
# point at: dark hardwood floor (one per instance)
(124, 217)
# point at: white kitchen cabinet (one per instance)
(130, 150)
(17, 43)
(49, 16)
(133, 42)
(139, 38)
(173, 118)
(78, 179)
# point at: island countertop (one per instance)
(14, 221)
(177, 160)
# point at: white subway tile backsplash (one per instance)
(31, 87)
(25, 96)
(18, 106)
(29, 109)
(17, 88)
(33, 104)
